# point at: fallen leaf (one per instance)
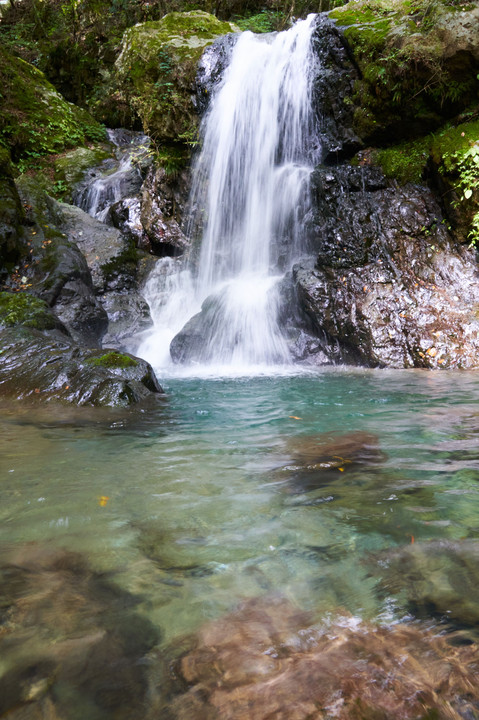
(103, 500)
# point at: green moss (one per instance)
(409, 81)
(113, 359)
(405, 162)
(24, 309)
(157, 67)
(35, 119)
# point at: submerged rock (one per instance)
(389, 287)
(439, 577)
(69, 638)
(318, 459)
(266, 661)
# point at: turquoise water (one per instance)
(207, 499)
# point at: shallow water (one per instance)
(205, 500)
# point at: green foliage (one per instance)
(113, 359)
(263, 22)
(455, 150)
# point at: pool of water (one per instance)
(236, 488)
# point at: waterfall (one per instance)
(250, 193)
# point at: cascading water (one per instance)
(250, 193)
(119, 178)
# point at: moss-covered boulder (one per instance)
(21, 308)
(53, 369)
(419, 63)
(156, 71)
(35, 119)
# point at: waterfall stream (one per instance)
(250, 194)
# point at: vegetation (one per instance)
(409, 83)
(113, 359)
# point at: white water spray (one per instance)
(250, 192)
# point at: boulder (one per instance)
(156, 71)
(418, 64)
(51, 368)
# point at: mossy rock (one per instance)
(24, 309)
(419, 63)
(36, 120)
(156, 71)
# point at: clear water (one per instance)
(203, 505)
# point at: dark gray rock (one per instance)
(126, 216)
(334, 75)
(211, 67)
(163, 203)
(33, 365)
(389, 287)
(128, 315)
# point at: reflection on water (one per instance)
(350, 491)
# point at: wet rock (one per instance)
(128, 314)
(163, 205)
(57, 271)
(266, 661)
(112, 259)
(35, 366)
(69, 638)
(125, 215)
(439, 577)
(334, 76)
(389, 287)
(211, 67)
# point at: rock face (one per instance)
(418, 65)
(388, 288)
(156, 71)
